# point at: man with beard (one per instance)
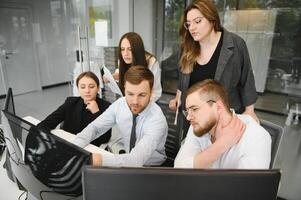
(217, 137)
(141, 123)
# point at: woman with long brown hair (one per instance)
(209, 51)
(131, 52)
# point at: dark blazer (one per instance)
(233, 71)
(76, 117)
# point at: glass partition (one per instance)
(171, 48)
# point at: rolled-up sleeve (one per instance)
(247, 80)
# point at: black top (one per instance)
(206, 71)
(76, 117)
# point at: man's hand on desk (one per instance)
(96, 159)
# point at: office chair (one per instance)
(174, 136)
(276, 133)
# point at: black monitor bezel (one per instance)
(148, 172)
(23, 121)
(9, 99)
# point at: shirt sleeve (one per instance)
(98, 127)
(188, 150)
(257, 153)
(157, 88)
(154, 132)
(247, 80)
(56, 117)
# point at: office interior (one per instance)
(41, 43)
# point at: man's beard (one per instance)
(137, 109)
(200, 131)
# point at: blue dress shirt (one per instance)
(151, 133)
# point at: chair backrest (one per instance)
(276, 133)
(2, 142)
(174, 136)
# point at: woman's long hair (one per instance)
(190, 49)
(138, 55)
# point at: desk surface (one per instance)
(70, 137)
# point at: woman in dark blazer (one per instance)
(209, 51)
(77, 112)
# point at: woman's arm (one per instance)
(156, 70)
(175, 102)
(250, 111)
(54, 119)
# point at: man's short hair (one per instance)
(136, 74)
(210, 90)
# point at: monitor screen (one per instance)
(9, 101)
(42, 162)
(180, 184)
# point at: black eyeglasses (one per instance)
(194, 109)
(195, 21)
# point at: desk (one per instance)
(70, 137)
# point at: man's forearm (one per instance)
(96, 159)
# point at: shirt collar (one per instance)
(146, 110)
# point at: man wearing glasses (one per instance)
(217, 137)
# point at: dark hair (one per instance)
(138, 55)
(190, 48)
(136, 74)
(210, 90)
(87, 74)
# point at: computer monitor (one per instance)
(9, 106)
(9, 101)
(47, 166)
(179, 184)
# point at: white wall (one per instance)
(122, 19)
(143, 22)
(51, 43)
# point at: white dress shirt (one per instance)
(153, 65)
(253, 151)
(151, 133)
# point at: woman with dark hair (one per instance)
(77, 112)
(131, 52)
(209, 51)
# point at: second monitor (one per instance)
(47, 166)
(180, 184)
